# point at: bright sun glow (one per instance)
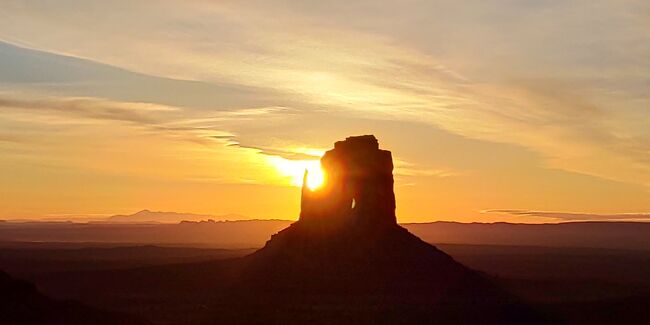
(295, 169)
(315, 178)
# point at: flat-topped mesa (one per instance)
(358, 186)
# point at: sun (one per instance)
(315, 178)
(294, 170)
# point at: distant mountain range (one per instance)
(254, 233)
(143, 216)
(147, 216)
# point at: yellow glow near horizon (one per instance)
(295, 169)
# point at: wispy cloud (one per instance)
(92, 108)
(284, 153)
(412, 170)
(70, 110)
(573, 216)
(122, 137)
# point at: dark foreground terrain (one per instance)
(579, 285)
(22, 303)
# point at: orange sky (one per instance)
(494, 111)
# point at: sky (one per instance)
(505, 110)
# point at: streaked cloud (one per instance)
(574, 216)
(91, 108)
(284, 153)
(408, 169)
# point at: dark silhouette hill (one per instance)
(21, 303)
(347, 261)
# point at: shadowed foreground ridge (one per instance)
(21, 303)
(346, 260)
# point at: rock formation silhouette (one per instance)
(359, 186)
(346, 260)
